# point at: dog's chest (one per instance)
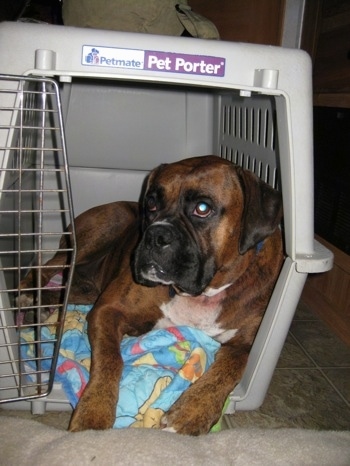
(201, 312)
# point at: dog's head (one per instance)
(199, 215)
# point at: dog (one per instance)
(202, 248)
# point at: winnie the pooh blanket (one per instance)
(158, 366)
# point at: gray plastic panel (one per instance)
(114, 125)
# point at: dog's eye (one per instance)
(202, 209)
(151, 204)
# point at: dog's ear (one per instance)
(262, 211)
(147, 182)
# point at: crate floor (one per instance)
(310, 388)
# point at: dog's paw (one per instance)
(92, 412)
(29, 312)
(91, 419)
(80, 425)
(190, 416)
(25, 300)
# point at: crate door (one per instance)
(35, 211)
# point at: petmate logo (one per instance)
(93, 57)
(113, 57)
(147, 60)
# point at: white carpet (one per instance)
(26, 442)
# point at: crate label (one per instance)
(148, 60)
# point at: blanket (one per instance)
(158, 366)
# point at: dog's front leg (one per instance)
(199, 408)
(97, 406)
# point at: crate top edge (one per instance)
(68, 50)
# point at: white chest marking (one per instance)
(200, 312)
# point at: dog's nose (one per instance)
(159, 236)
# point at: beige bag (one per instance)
(166, 17)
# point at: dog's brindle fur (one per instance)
(203, 250)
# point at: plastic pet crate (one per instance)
(129, 102)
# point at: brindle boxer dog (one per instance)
(204, 251)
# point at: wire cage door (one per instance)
(35, 212)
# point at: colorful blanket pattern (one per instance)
(158, 366)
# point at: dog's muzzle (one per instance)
(168, 255)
